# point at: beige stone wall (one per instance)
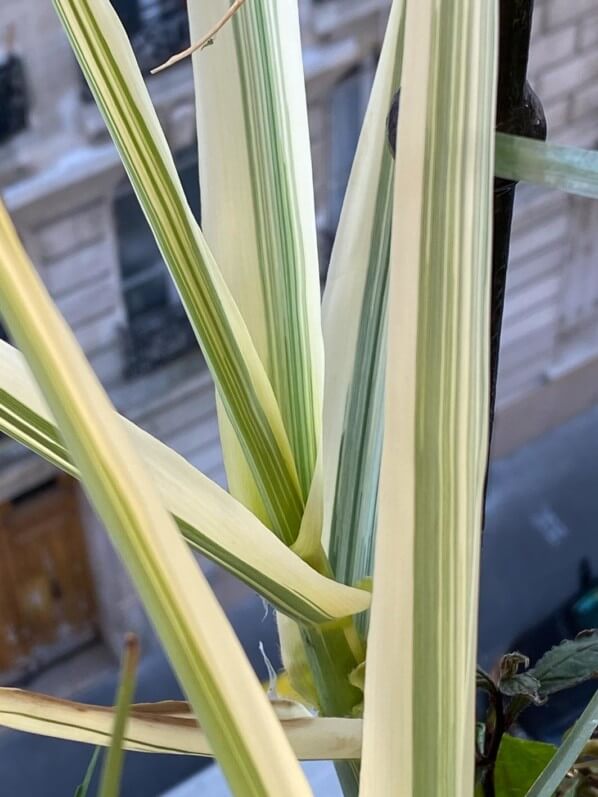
(549, 359)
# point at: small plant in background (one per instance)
(354, 432)
(516, 687)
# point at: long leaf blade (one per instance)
(83, 789)
(114, 760)
(255, 157)
(209, 518)
(244, 733)
(567, 753)
(569, 169)
(420, 674)
(106, 57)
(152, 730)
(354, 315)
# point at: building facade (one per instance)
(60, 581)
(549, 358)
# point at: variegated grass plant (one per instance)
(354, 431)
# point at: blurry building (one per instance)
(60, 582)
(549, 359)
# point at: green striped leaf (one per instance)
(83, 789)
(210, 519)
(569, 169)
(169, 727)
(419, 720)
(255, 162)
(105, 55)
(114, 760)
(568, 753)
(255, 168)
(354, 321)
(246, 736)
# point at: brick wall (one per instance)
(551, 322)
(564, 68)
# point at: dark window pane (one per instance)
(347, 115)
(157, 329)
(137, 247)
(128, 11)
(14, 101)
(147, 295)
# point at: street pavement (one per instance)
(542, 522)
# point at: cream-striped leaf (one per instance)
(169, 728)
(114, 759)
(255, 166)
(419, 719)
(255, 169)
(246, 736)
(354, 323)
(210, 519)
(105, 55)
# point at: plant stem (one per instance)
(497, 734)
(333, 651)
(332, 659)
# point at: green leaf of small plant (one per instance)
(519, 763)
(568, 664)
(523, 684)
(512, 682)
(511, 663)
(83, 789)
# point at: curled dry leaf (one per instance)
(170, 727)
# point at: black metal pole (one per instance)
(519, 112)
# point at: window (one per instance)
(14, 100)
(348, 103)
(157, 28)
(158, 329)
(347, 111)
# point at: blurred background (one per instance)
(65, 601)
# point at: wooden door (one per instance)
(46, 597)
